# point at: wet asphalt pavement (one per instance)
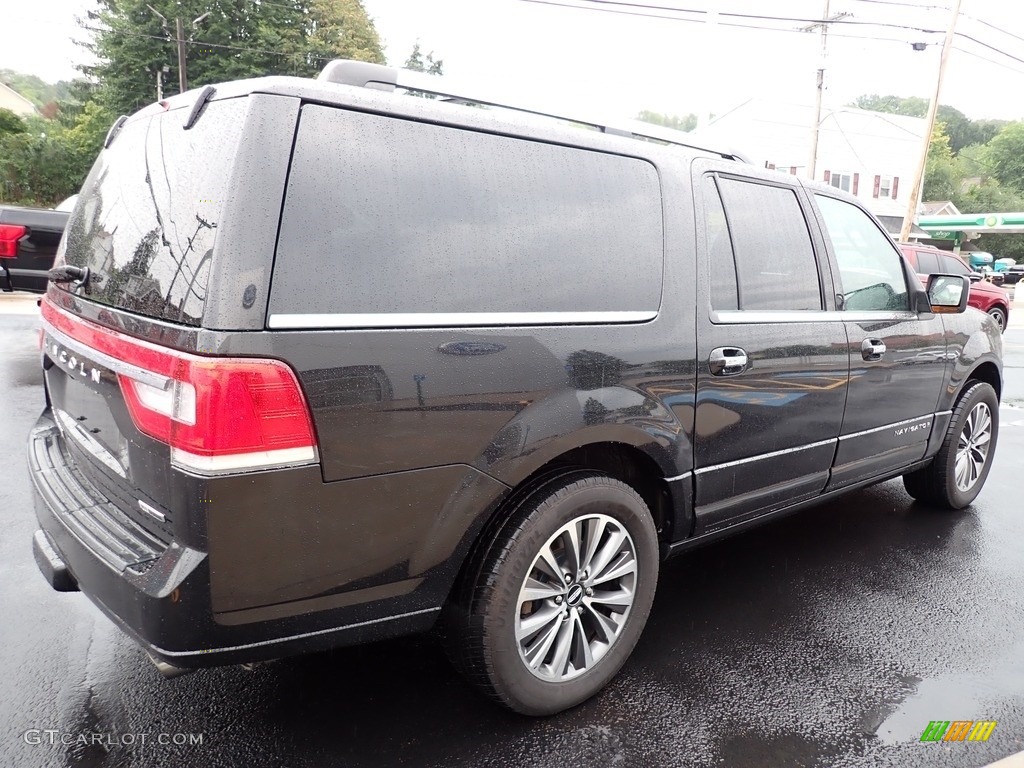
(829, 638)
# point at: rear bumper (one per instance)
(160, 594)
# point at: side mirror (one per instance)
(948, 294)
(976, 277)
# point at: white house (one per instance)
(872, 155)
(14, 101)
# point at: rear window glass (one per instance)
(384, 215)
(149, 210)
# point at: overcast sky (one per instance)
(587, 58)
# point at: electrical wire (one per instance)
(204, 44)
(638, 9)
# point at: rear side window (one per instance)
(384, 215)
(953, 266)
(774, 258)
(927, 263)
(149, 210)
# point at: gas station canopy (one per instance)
(967, 226)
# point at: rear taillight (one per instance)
(217, 414)
(10, 234)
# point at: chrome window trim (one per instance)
(762, 456)
(739, 316)
(289, 638)
(454, 319)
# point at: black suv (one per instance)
(326, 363)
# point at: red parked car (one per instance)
(927, 260)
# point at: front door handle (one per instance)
(872, 349)
(727, 361)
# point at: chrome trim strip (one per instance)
(67, 424)
(454, 319)
(759, 457)
(930, 416)
(156, 514)
(739, 317)
(111, 363)
(680, 477)
(239, 463)
(304, 635)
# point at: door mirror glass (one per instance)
(948, 293)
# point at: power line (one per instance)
(989, 60)
(905, 5)
(733, 25)
(759, 17)
(638, 9)
(204, 44)
(993, 26)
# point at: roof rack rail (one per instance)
(364, 74)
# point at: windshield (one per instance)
(149, 212)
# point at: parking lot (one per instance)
(829, 638)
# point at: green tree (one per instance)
(10, 122)
(1005, 154)
(418, 63)
(684, 123)
(34, 88)
(238, 38)
(912, 106)
(943, 174)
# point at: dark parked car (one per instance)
(1013, 275)
(984, 295)
(28, 243)
(325, 364)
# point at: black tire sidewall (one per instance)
(978, 393)
(1002, 315)
(513, 682)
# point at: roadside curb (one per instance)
(1013, 761)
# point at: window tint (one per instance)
(953, 266)
(384, 215)
(723, 266)
(927, 263)
(775, 261)
(148, 212)
(870, 269)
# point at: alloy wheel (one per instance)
(576, 597)
(973, 447)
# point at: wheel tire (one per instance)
(480, 628)
(999, 315)
(939, 483)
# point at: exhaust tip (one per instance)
(169, 670)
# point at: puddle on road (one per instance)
(953, 697)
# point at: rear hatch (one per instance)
(128, 397)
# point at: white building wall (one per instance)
(851, 142)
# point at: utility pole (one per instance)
(812, 161)
(179, 38)
(915, 189)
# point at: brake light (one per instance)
(10, 234)
(217, 414)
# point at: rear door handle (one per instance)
(872, 349)
(727, 361)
